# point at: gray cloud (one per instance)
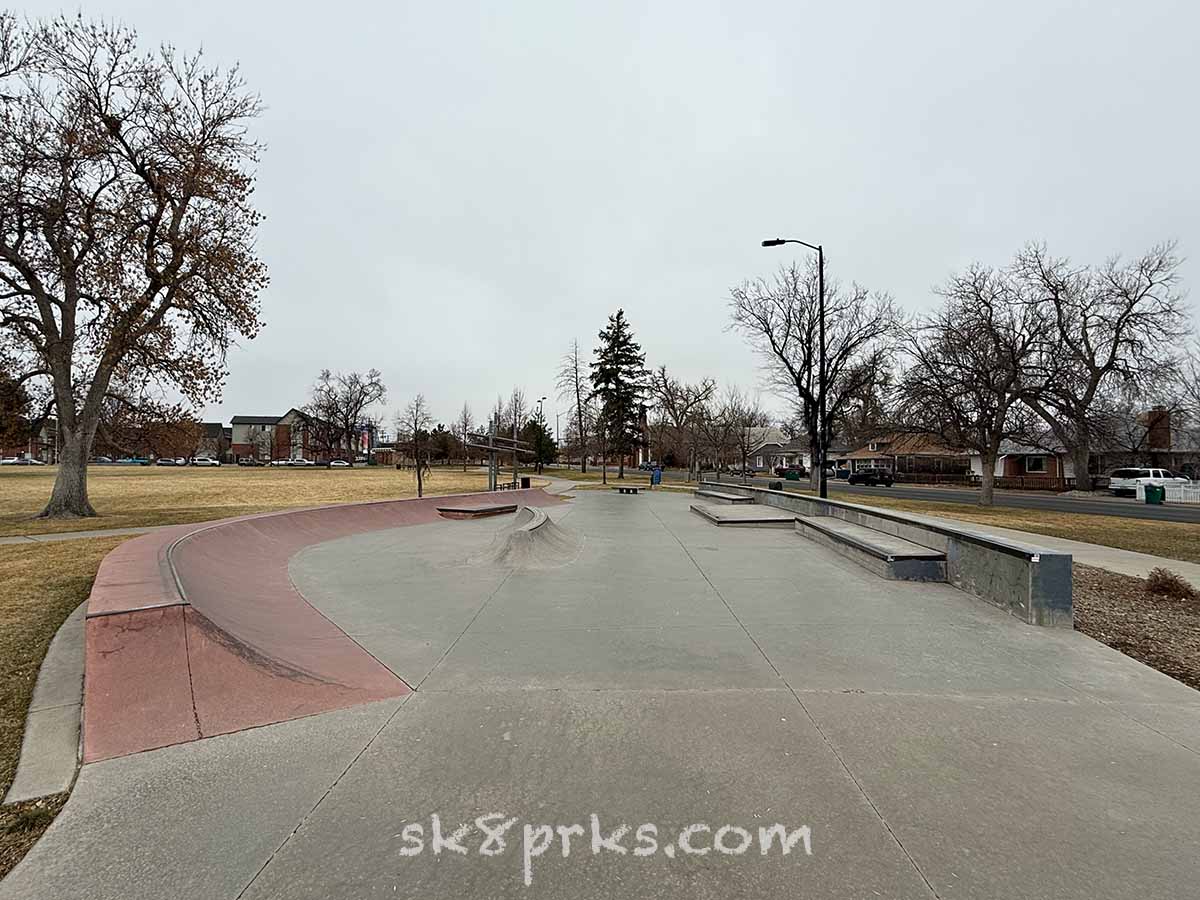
(455, 191)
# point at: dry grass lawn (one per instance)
(139, 496)
(40, 584)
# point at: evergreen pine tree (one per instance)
(619, 381)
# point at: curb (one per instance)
(50, 748)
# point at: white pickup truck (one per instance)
(1126, 481)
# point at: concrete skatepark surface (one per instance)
(670, 672)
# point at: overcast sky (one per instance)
(454, 192)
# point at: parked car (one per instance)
(871, 477)
(1125, 481)
(101, 460)
(166, 461)
(338, 464)
(300, 462)
(29, 461)
(250, 461)
(9, 461)
(281, 462)
(791, 473)
(133, 461)
(205, 461)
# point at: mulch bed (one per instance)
(1118, 610)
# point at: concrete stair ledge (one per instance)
(884, 554)
(722, 497)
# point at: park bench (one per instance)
(627, 489)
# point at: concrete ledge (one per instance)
(742, 516)
(1032, 583)
(50, 746)
(476, 512)
(722, 497)
(887, 556)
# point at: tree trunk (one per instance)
(420, 480)
(1081, 455)
(582, 440)
(69, 499)
(987, 481)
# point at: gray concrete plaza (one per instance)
(672, 672)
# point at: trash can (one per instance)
(524, 482)
(1156, 494)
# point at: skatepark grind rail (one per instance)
(197, 630)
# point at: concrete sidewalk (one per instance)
(674, 674)
(77, 535)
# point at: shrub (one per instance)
(1168, 584)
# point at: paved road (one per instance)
(674, 674)
(1101, 506)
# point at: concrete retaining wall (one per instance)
(1032, 584)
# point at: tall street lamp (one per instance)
(823, 488)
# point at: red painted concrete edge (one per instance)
(244, 664)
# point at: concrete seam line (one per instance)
(350, 637)
(466, 628)
(882, 821)
(329, 790)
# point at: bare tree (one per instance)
(1115, 325)
(464, 426)
(127, 238)
(515, 414)
(720, 424)
(780, 318)
(337, 408)
(414, 424)
(748, 419)
(574, 386)
(682, 403)
(1189, 393)
(969, 361)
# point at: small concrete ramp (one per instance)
(532, 541)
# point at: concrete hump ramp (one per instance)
(198, 630)
(532, 540)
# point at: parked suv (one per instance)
(872, 477)
(1125, 481)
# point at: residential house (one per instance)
(908, 454)
(1153, 438)
(773, 453)
(779, 451)
(1023, 461)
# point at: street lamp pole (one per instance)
(823, 487)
